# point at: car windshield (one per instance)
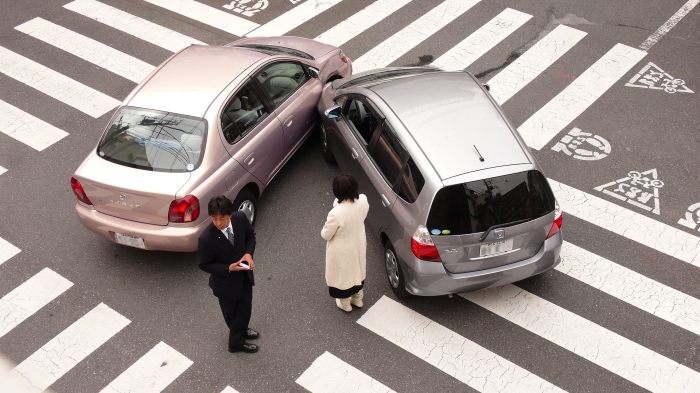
(154, 141)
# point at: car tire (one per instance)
(325, 145)
(394, 272)
(247, 203)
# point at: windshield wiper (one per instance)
(508, 224)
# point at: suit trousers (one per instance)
(237, 316)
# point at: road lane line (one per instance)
(592, 342)
(2, 170)
(87, 49)
(328, 373)
(7, 249)
(71, 346)
(670, 23)
(28, 129)
(410, 36)
(446, 350)
(28, 298)
(152, 373)
(229, 389)
(547, 122)
(211, 16)
(482, 40)
(533, 62)
(293, 18)
(132, 25)
(360, 21)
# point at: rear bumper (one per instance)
(431, 278)
(155, 237)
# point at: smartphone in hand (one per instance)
(244, 265)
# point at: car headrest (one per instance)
(235, 105)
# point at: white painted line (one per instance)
(208, 15)
(360, 21)
(7, 250)
(2, 170)
(533, 62)
(28, 129)
(666, 27)
(457, 356)
(410, 36)
(229, 389)
(592, 342)
(68, 348)
(328, 373)
(28, 298)
(482, 40)
(132, 25)
(87, 49)
(152, 373)
(292, 18)
(55, 85)
(632, 225)
(547, 122)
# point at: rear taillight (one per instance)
(423, 247)
(343, 58)
(558, 221)
(79, 192)
(184, 210)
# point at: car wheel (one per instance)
(394, 272)
(325, 146)
(246, 202)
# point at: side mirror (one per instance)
(313, 72)
(332, 112)
(486, 86)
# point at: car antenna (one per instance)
(479, 154)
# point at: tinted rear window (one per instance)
(475, 206)
(154, 141)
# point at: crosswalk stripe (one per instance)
(457, 356)
(229, 389)
(71, 346)
(7, 249)
(482, 40)
(410, 36)
(631, 287)
(28, 129)
(208, 15)
(592, 342)
(2, 170)
(55, 85)
(547, 122)
(152, 373)
(295, 17)
(28, 298)
(533, 62)
(132, 25)
(632, 225)
(360, 21)
(328, 373)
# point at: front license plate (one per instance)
(496, 247)
(131, 241)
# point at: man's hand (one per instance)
(234, 267)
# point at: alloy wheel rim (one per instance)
(392, 269)
(248, 209)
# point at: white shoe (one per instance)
(343, 304)
(356, 299)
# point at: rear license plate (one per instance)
(496, 247)
(131, 241)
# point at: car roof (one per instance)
(453, 121)
(192, 79)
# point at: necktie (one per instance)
(229, 232)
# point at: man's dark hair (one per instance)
(220, 205)
(345, 187)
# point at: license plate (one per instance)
(131, 241)
(496, 247)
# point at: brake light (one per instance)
(423, 247)
(184, 210)
(558, 221)
(79, 192)
(343, 58)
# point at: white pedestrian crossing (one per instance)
(211, 16)
(28, 129)
(295, 17)
(328, 373)
(229, 389)
(7, 250)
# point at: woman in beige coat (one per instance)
(346, 246)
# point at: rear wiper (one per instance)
(508, 224)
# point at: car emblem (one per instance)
(122, 197)
(499, 233)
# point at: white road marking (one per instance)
(2, 170)
(638, 189)
(152, 373)
(28, 129)
(71, 346)
(533, 62)
(632, 225)
(28, 298)
(592, 342)
(328, 373)
(583, 145)
(55, 85)
(482, 40)
(547, 122)
(211, 16)
(360, 21)
(229, 389)
(398, 44)
(293, 18)
(692, 217)
(666, 27)
(87, 49)
(7, 250)
(132, 25)
(457, 356)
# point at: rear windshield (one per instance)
(154, 141)
(475, 206)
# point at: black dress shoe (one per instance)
(251, 334)
(248, 348)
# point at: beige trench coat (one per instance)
(346, 243)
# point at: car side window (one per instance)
(362, 117)
(388, 154)
(280, 80)
(242, 113)
(411, 182)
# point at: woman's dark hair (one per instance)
(220, 205)
(345, 187)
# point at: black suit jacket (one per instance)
(215, 253)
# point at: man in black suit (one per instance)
(225, 250)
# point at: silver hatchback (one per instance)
(456, 197)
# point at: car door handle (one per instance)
(288, 121)
(249, 160)
(355, 154)
(385, 201)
